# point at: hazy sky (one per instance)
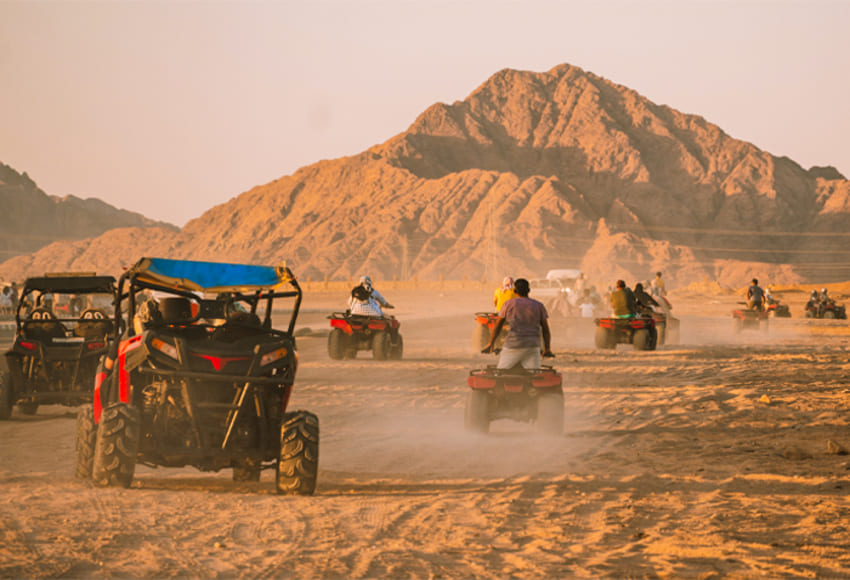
(169, 108)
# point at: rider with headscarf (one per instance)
(504, 293)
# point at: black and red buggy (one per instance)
(201, 377)
(63, 325)
(353, 332)
(750, 319)
(525, 395)
(639, 331)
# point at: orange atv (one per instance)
(353, 332)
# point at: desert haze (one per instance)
(720, 457)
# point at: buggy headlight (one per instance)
(273, 356)
(165, 348)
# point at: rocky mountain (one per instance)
(31, 219)
(534, 171)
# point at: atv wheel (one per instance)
(299, 454)
(653, 339)
(481, 337)
(476, 417)
(739, 325)
(550, 413)
(397, 348)
(829, 314)
(661, 333)
(604, 338)
(86, 440)
(117, 443)
(28, 408)
(337, 344)
(5, 396)
(247, 470)
(641, 339)
(380, 345)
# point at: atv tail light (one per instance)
(273, 356)
(165, 348)
(377, 325)
(547, 380)
(28, 345)
(95, 345)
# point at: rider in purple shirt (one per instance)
(527, 319)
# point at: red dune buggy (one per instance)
(199, 378)
(353, 332)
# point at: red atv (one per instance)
(528, 395)
(353, 332)
(484, 324)
(746, 319)
(639, 331)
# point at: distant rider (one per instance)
(643, 300)
(623, 302)
(755, 296)
(504, 293)
(657, 286)
(823, 302)
(362, 303)
(366, 285)
(527, 319)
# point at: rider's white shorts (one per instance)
(529, 358)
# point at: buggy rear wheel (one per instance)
(298, 463)
(380, 345)
(337, 344)
(476, 416)
(86, 441)
(116, 447)
(829, 314)
(641, 339)
(28, 408)
(550, 413)
(5, 396)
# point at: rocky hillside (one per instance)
(535, 171)
(31, 219)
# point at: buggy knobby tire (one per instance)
(829, 314)
(86, 441)
(641, 339)
(550, 413)
(476, 416)
(604, 337)
(117, 444)
(6, 403)
(481, 337)
(337, 344)
(298, 464)
(397, 348)
(380, 345)
(28, 408)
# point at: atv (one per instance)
(746, 319)
(777, 309)
(62, 328)
(829, 310)
(639, 330)
(200, 378)
(484, 324)
(353, 332)
(527, 395)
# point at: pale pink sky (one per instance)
(169, 108)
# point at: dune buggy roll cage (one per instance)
(245, 283)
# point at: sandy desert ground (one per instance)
(722, 456)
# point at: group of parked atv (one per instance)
(174, 364)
